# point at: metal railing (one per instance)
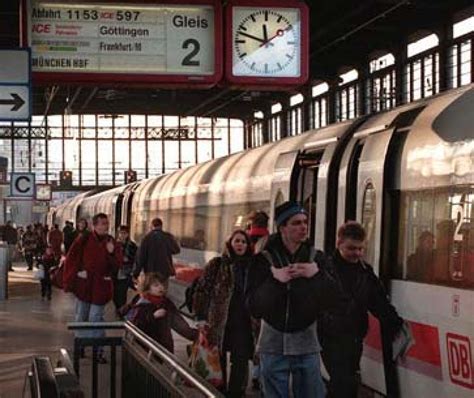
(161, 373)
(97, 343)
(148, 369)
(44, 381)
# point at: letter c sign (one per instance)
(22, 185)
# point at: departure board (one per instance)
(125, 38)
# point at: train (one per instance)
(407, 174)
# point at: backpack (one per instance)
(189, 295)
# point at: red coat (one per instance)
(55, 238)
(89, 253)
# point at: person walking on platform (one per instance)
(258, 233)
(82, 226)
(156, 250)
(46, 262)
(41, 232)
(10, 235)
(69, 234)
(123, 278)
(55, 240)
(156, 314)
(258, 230)
(288, 287)
(92, 260)
(30, 245)
(219, 305)
(343, 328)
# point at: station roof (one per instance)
(344, 33)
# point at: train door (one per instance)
(295, 178)
(284, 181)
(347, 182)
(126, 206)
(117, 209)
(370, 188)
(306, 192)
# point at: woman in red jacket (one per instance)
(90, 263)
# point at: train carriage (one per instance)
(406, 174)
(112, 202)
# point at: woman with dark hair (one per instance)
(82, 226)
(221, 312)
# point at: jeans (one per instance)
(256, 371)
(87, 312)
(305, 371)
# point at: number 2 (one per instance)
(188, 59)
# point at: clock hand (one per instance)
(265, 36)
(279, 32)
(251, 37)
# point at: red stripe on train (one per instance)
(424, 356)
(187, 274)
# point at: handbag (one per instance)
(205, 361)
(38, 274)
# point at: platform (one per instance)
(32, 326)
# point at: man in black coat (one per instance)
(156, 251)
(287, 287)
(70, 234)
(343, 328)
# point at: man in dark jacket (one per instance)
(287, 288)
(156, 250)
(343, 328)
(70, 234)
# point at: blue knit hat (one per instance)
(287, 210)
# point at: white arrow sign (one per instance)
(15, 80)
(14, 102)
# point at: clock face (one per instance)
(266, 42)
(43, 192)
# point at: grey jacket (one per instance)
(272, 341)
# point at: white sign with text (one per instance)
(122, 38)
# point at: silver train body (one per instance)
(404, 174)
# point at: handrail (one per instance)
(45, 385)
(65, 362)
(95, 325)
(171, 360)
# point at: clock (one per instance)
(267, 43)
(43, 192)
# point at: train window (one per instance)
(368, 220)
(206, 228)
(436, 242)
